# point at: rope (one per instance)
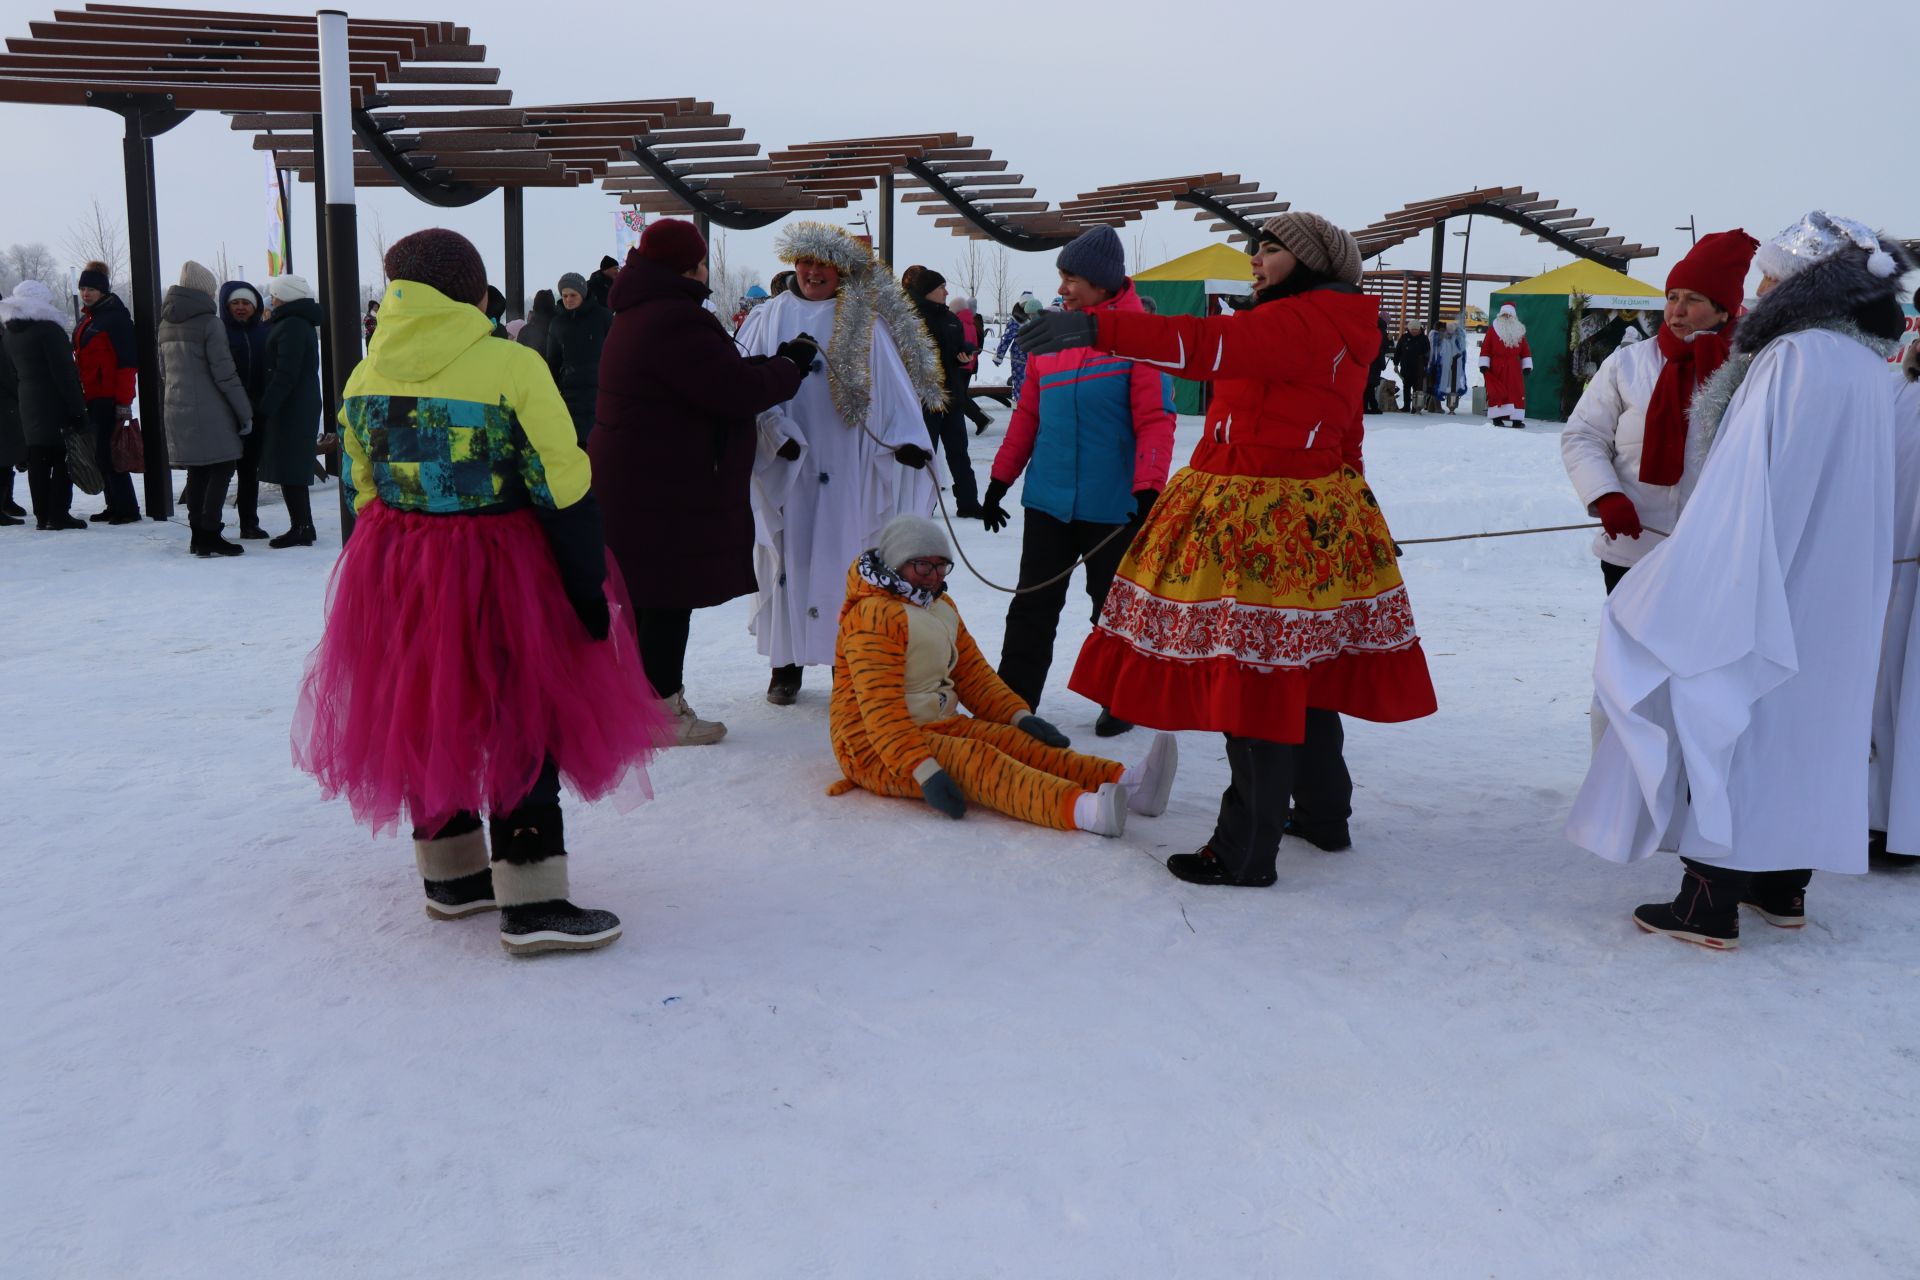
(1501, 533)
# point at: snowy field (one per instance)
(847, 1037)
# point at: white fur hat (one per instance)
(908, 536)
(288, 288)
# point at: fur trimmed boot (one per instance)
(530, 883)
(453, 867)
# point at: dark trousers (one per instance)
(544, 795)
(1413, 387)
(248, 497)
(104, 416)
(206, 497)
(1265, 779)
(49, 487)
(299, 506)
(1613, 573)
(662, 634)
(948, 429)
(1048, 548)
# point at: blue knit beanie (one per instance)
(1096, 257)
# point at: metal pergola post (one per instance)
(143, 256)
(340, 232)
(1434, 275)
(883, 220)
(329, 404)
(513, 204)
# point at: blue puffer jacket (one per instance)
(1090, 431)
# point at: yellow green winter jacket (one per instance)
(445, 419)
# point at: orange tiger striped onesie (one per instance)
(902, 673)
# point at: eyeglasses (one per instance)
(927, 564)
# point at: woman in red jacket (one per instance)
(103, 348)
(1262, 597)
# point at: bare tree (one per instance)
(1000, 278)
(221, 267)
(99, 237)
(719, 276)
(31, 262)
(968, 271)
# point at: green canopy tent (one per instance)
(1547, 305)
(1192, 285)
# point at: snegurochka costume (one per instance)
(472, 659)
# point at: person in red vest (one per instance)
(103, 348)
(1505, 358)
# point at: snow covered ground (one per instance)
(847, 1037)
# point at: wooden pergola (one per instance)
(1406, 295)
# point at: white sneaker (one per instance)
(689, 729)
(1150, 782)
(1103, 812)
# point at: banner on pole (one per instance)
(277, 247)
(627, 226)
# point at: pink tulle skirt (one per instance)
(453, 666)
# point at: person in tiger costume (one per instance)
(905, 671)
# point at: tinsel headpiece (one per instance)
(1815, 238)
(824, 242)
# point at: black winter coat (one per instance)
(49, 393)
(13, 443)
(574, 340)
(1410, 356)
(539, 320)
(950, 339)
(673, 452)
(290, 403)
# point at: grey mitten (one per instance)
(1034, 727)
(943, 793)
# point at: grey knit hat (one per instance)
(1096, 257)
(195, 276)
(908, 536)
(572, 280)
(1328, 249)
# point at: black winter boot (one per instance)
(530, 884)
(1202, 867)
(1705, 912)
(783, 690)
(453, 867)
(1110, 725)
(1333, 838)
(1780, 897)
(298, 536)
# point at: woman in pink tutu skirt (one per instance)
(471, 660)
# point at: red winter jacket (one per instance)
(103, 348)
(1291, 376)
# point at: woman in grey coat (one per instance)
(45, 385)
(207, 408)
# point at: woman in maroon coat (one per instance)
(672, 450)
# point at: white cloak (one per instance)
(1893, 787)
(1736, 662)
(814, 516)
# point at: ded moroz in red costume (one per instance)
(1264, 581)
(1505, 359)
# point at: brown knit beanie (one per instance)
(443, 259)
(1319, 244)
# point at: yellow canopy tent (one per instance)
(1545, 305)
(1187, 286)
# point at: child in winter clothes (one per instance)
(1094, 435)
(472, 657)
(904, 669)
(1022, 312)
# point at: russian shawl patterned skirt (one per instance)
(1245, 600)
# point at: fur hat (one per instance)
(31, 300)
(673, 243)
(572, 280)
(441, 259)
(1320, 245)
(1716, 267)
(1819, 236)
(289, 288)
(909, 536)
(196, 277)
(95, 276)
(823, 242)
(1095, 256)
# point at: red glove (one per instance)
(1618, 516)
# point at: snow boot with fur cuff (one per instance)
(530, 883)
(453, 866)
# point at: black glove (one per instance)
(943, 793)
(992, 514)
(579, 552)
(801, 349)
(1057, 331)
(1143, 500)
(593, 615)
(1034, 727)
(790, 451)
(912, 455)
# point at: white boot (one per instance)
(1150, 782)
(689, 729)
(1102, 812)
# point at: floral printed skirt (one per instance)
(1246, 600)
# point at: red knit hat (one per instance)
(1717, 267)
(674, 244)
(443, 259)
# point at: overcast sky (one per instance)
(1740, 114)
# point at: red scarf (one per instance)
(1663, 453)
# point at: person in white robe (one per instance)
(846, 455)
(1736, 662)
(1893, 782)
